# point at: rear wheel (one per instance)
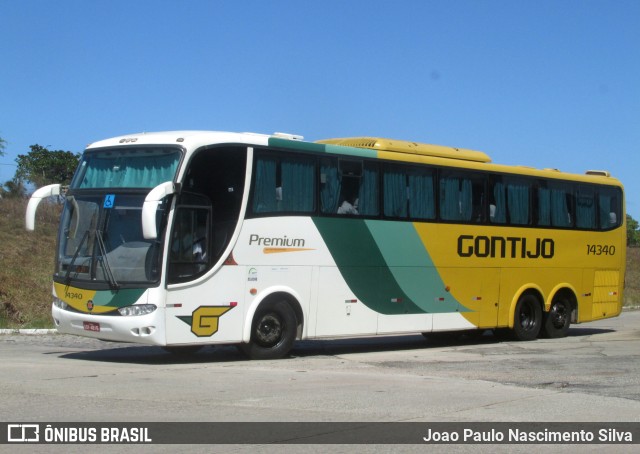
(527, 319)
(273, 331)
(558, 319)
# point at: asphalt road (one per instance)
(593, 375)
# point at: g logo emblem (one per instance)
(204, 321)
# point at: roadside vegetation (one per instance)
(632, 289)
(26, 265)
(27, 261)
(27, 258)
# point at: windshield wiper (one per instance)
(75, 256)
(105, 261)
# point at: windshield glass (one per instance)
(101, 241)
(126, 167)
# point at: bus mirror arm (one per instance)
(150, 206)
(34, 201)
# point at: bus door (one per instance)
(204, 295)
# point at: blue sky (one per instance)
(533, 82)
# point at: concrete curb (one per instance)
(28, 331)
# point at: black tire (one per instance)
(527, 320)
(273, 331)
(558, 319)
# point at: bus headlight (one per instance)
(138, 309)
(57, 302)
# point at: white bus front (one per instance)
(143, 243)
(107, 275)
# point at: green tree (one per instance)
(3, 144)
(633, 234)
(42, 166)
(13, 189)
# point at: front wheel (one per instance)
(558, 319)
(527, 319)
(273, 331)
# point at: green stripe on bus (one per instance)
(411, 266)
(386, 266)
(362, 266)
(119, 298)
(322, 148)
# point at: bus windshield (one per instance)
(101, 241)
(127, 167)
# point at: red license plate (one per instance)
(91, 326)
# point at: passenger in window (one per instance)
(349, 206)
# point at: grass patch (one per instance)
(632, 278)
(26, 265)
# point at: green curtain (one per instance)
(298, 183)
(264, 196)
(450, 199)
(560, 216)
(368, 194)
(544, 206)
(499, 214)
(466, 200)
(395, 195)
(130, 172)
(421, 197)
(330, 189)
(585, 209)
(518, 203)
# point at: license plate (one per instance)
(91, 326)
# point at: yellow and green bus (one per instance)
(189, 238)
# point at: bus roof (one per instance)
(378, 147)
(189, 139)
(403, 146)
(438, 154)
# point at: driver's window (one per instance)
(189, 246)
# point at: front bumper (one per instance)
(142, 329)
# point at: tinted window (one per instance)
(509, 201)
(461, 197)
(409, 193)
(283, 185)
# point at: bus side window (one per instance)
(349, 187)
(284, 185)
(509, 201)
(555, 204)
(408, 193)
(461, 197)
(609, 208)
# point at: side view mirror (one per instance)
(150, 206)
